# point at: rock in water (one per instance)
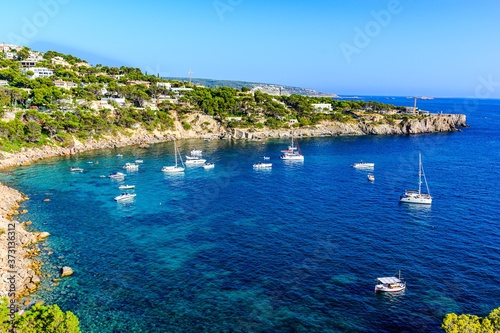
(66, 271)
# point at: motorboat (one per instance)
(363, 165)
(139, 161)
(371, 177)
(75, 169)
(390, 284)
(119, 155)
(267, 158)
(191, 160)
(126, 187)
(416, 196)
(125, 196)
(131, 166)
(261, 165)
(207, 166)
(117, 175)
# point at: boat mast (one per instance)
(419, 174)
(175, 153)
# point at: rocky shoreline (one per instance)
(20, 272)
(27, 277)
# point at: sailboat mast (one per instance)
(175, 152)
(419, 173)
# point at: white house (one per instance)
(39, 72)
(65, 85)
(60, 61)
(322, 107)
(4, 83)
(166, 85)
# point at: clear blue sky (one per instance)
(365, 47)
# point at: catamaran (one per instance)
(293, 153)
(416, 196)
(174, 168)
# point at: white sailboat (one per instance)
(416, 196)
(174, 168)
(293, 153)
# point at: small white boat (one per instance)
(195, 161)
(174, 168)
(267, 158)
(363, 165)
(117, 175)
(390, 284)
(125, 196)
(416, 196)
(196, 152)
(371, 177)
(139, 161)
(207, 166)
(75, 169)
(119, 155)
(261, 165)
(126, 187)
(131, 166)
(90, 162)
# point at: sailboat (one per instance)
(293, 153)
(416, 196)
(174, 168)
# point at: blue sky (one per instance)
(364, 47)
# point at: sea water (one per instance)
(293, 249)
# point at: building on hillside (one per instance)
(38, 72)
(9, 47)
(4, 83)
(180, 89)
(29, 62)
(65, 85)
(145, 83)
(60, 61)
(166, 85)
(322, 107)
(82, 64)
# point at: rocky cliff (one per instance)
(203, 126)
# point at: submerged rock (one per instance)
(66, 271)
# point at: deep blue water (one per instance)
(294, 249)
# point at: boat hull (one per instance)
(172, 169)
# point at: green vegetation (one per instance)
(84, 101)
(453, 323)
(39, 319)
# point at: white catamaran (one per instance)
(174, 168)
(416, 196)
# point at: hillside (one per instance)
(268, 88)
(58, 100)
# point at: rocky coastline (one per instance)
(28, 275)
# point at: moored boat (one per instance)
(363, 165)
(174, 168)
(261, 165)
(126, 187)
(208, 166)
(293, 152)
(75, 169)
(390, 284)
(125, 196)
(416, 196)
(371, 177)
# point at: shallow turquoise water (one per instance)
(293, 249)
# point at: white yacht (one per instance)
(416, 196)
(75, 169)
(193, 160)
(363, 165)
(174, 168)
(293, 152)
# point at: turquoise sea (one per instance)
(292, 249)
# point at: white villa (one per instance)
(39, 72)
